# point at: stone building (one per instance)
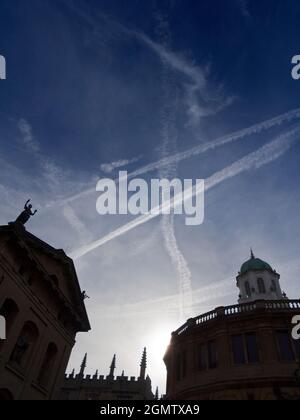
(109, 388)
(241, 352)
(41, 301)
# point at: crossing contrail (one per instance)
(178, 157)
(169, 134)
(264, 155)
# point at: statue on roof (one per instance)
(26, 214)
(84, 295)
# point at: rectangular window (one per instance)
(252, 348)
(285, 346)
(297, 348)
(239, 357)
(183, 361)
(248, 289)
(261, 286)
(178, 367)
(212, 355)
(202, 360)
(181, 365)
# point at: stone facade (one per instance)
(109, 388)
(242, 352)
(258, 281)
(97, 388)
(41, 300)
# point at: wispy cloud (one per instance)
(108, 168)
(266, 154)
(201, 99)
(244, 7)
(50, 171)
(203, 297)
(196, 80)
(28, 139)
(52, 180)
(32, 145)
(83, 233)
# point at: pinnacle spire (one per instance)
(143, 364)
(252, 254)
(113, 367)
(83, 365)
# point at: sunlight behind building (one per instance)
(157, 342)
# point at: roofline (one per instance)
(236, 310)
(19, 230)
(240, 274)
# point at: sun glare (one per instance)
(157, 342)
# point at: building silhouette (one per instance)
(240, 352)
(109, 388)
(41, 300)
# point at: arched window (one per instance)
(25, 344)
(47, 365)
(9, 311)
(261, 286)
(248, 289)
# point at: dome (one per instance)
(255, 264)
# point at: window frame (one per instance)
(204, 349)
(291, 344)
(212, 352)
(244, 336)
(248, 289)
(261, 285)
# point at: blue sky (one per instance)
(93, 83)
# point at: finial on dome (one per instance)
(252, 254)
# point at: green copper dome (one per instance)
(255, 264)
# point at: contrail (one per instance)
(169, 144)
(222, 141)
(168, 304)
(266, 154)
(71, 217)
(195, 83)
(178, 157)
(108, 168)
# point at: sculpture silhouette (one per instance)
(26, 214)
